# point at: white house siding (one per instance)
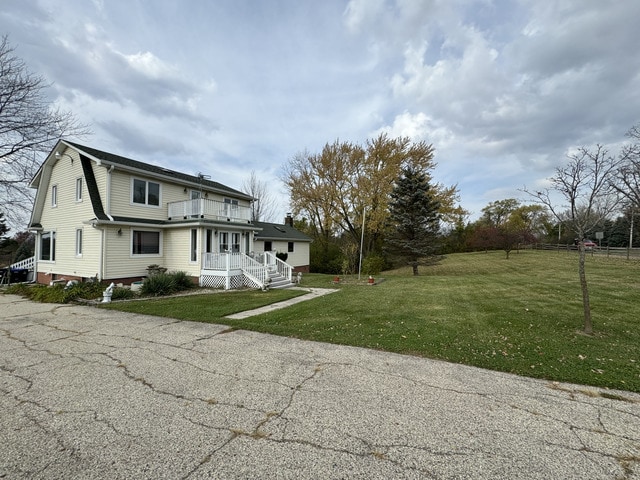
(65, 218)
(169, 192)
(298, 258)
(175, 254)
(178, 251)
(120, 262)
(121, 198)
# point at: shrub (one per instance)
(158, 285)
(166, 284)
(58, 293)
(84, 291)
(183, 281)
(122, 294)
(373, 265)
(16, 289)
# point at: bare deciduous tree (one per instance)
(586, 183)
(29, 127)
(627, 180)
(263, 208)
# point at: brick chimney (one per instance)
(288, 220)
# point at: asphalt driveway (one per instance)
(89, 393)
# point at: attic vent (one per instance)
(280, 229)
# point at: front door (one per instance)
(195, 205)
(209, 241)
(229, 242)
(224, 242)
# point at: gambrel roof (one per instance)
(89, 155)
(156, 171)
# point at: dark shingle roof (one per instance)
(154, 169)
(92, 187)
(275, 231)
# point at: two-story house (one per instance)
(103, 216)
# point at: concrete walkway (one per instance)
(91, 393)
(313, 293)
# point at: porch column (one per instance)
(227, 257)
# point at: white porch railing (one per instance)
(27, 263)
(273, 263)
(210, 209)
(257, 270)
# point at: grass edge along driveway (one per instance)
(521, 315)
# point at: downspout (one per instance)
(108, 194)
(36, 256)
(101, 257)
(102, 252)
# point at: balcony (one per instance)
(210, 210)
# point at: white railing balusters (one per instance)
(227, 262)
(212, 209)
(274, 262)
(27, 263)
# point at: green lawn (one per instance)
(521, 315)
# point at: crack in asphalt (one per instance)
(39, 414)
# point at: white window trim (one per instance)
(52, 248)
(146, 197)
(193, 248)
(54, 196)
(145, 255)
(79, 183)
(79, 242)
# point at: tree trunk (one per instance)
(414, 266)
(588, 327)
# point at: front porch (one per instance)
(237, 270)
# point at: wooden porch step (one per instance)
(278, 281)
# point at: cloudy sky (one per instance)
(502, 89)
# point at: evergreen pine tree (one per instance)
(414, 219)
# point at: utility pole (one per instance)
(364, 215)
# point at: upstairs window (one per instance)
(79, 189)
(54, 195)
(230, 206)
(290, 247)
(144, 192)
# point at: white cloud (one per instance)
(501, 89)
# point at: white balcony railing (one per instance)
(209, 209)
